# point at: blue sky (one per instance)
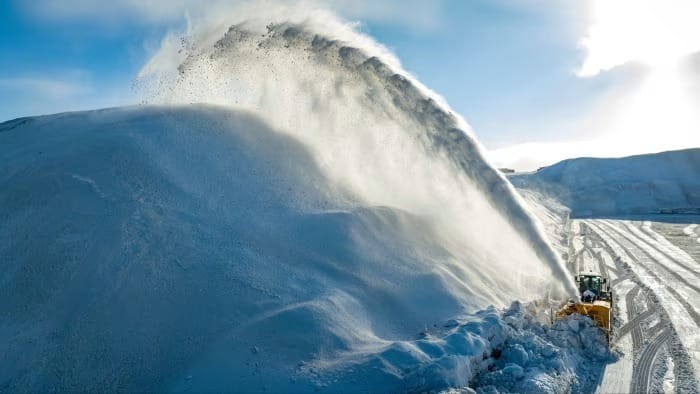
(52, 65)
(512, 68)
(498, 65)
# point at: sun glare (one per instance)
(659, 114)
(654, 32)
(656, 115)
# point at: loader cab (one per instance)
(593, 283)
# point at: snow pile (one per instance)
(198, 249)
(491, 351)
(298, 237)
(667, 182)
(531, 357)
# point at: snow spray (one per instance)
(374, 130)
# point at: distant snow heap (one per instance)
(667, 182)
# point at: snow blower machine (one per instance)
(596, 301)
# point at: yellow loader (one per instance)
(596, 301)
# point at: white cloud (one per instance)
(43, 87)
(532, 155)
(648, 31)
(99, 11)
(419, 13)
(35, 95)
(64, 90)
(657, 111)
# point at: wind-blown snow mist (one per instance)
(376, 134)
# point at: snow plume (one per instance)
(377, 134)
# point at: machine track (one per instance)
(633, 246)
(641, 379)
(627, 246)
(639, 236)
(633, 326)
(648, 342)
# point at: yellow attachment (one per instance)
(598, 311)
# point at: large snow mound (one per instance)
(199, 249)
(667, 182)
(294, 231)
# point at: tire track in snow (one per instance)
(636, 330)
(615, 268)
(694, 315)
(685, 370)
(692, 231)
(656, 329)
(618, 280)
(662, 239)
(681, 236)
(654, 249)
(589, 243)
(633, 325)
(641, 378)
(689, 231)
(644, 237)
(631, 243)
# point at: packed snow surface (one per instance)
(667, 182)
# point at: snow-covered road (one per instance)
(654, 271)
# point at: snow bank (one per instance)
(568, 356)
(199, 249)
(665, 182)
